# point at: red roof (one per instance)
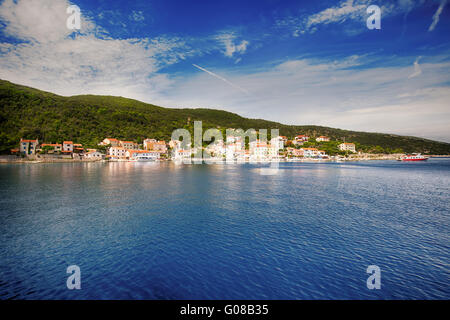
(51, 144)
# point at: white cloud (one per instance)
(54, 58)
(436, 15)
(331, 93)
(231, 46)
(337, 93)
(417, 70)
(38, 20)
(344, 11)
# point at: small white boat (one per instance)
(142, 158)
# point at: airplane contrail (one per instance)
(221, 78)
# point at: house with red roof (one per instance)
(67, 147)
(28, 147)
(109, 141)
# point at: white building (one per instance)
(216, 149)
(94, 155)
(347, 147)
(67, 146)
(258, 150)
(278, 142)
(129, 145)
(117, 152)
(28, 147)
(110, 141)
(322, 139)
(300, 140)
(235, 151)
(310, 152)
(148, 143)
(181, 154)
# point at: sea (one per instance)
(163, 230)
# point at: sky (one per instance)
(294, 62)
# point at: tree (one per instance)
(46, 149)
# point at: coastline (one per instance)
(351, 158)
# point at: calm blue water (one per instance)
(166, 231)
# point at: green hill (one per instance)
(88, 119)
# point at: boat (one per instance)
(143, 158)
(413, 157)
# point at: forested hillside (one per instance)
(31, 113)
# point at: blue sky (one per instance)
(296, 62)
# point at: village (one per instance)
(233, 148)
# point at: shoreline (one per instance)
(352, 159)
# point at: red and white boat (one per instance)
(413, 157)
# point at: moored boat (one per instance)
(413, 157)
(144, 158)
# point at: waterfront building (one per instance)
(129, 145)
(180, 154)
(67, 147)
(347, 147)
(148, 144)
(258, 150)
(278, 142)
(28, 147)
(298, 153)
(153, 144)
(117, 152)
(310, 152)
(94, 155)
